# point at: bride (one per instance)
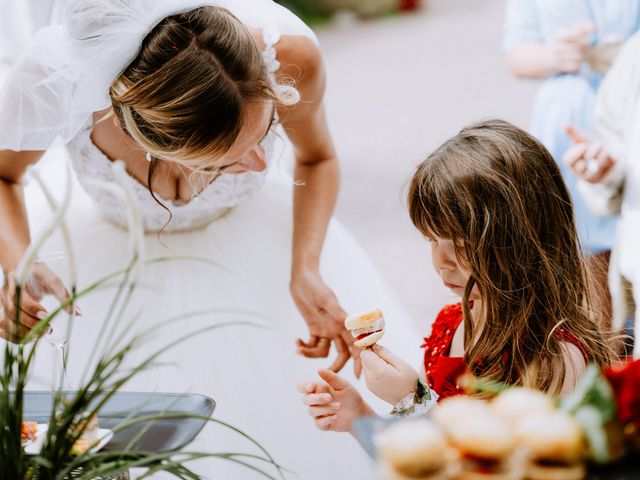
(195, 98)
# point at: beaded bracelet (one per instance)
(417, 402)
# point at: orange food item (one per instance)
(29, 431)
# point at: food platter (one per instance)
(34, 446)
(192, 412)
(366, 429)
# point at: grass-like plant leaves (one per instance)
(102, 381)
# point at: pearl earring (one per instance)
(148, 157)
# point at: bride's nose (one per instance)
(254, 160)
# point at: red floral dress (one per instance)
(443, 371)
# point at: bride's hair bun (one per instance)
(183, 98)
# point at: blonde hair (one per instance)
(184, 97)
(497, 192)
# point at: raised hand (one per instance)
(570, 48)
(325, 319)
(333, 404)
(389, 377)
(587, 159)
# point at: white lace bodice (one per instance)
(215, 200)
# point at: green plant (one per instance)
(55, 461)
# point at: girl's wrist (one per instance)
(419, 401)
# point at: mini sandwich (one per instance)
(555, 446)
(89, 437)
(415, 450)
(485, 441)
(366, 327)
(29, 431)
(518, 403)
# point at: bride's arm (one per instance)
(14, 239)
(317, 177)
(14, 234)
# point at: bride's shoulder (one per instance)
(300, 58)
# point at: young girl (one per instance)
(570, 44)
(493, 206)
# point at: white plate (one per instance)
(34, 447)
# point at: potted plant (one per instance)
(71, 412)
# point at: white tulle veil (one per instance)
(65, 74)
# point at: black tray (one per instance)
(626, 469)
(159, 436)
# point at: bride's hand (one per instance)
(325, 319)
(42, 282)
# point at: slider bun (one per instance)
(363, 319)
(551, 436)
(487, 436)
(473, 428)
(519, 402)
(388, 473)
(570, 472)
(508, 475)
(452, 410)
(369, 340)
(410, 449)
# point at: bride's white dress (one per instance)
(244, 224)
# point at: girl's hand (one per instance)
(570, 48)
(42, 282)
(325, 319)
(587, 159)
(333, 404)
(387, 376)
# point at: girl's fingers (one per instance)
(315, 399)
(306, 388)
(373, 363)
(324, 410)
(334, 381)
(325, 423)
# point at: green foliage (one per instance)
(593, 405)
(55, 461)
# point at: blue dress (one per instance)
(569, 98)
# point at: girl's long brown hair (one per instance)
(498, 194)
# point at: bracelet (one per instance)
(417, 402)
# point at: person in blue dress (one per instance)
(570, 44)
